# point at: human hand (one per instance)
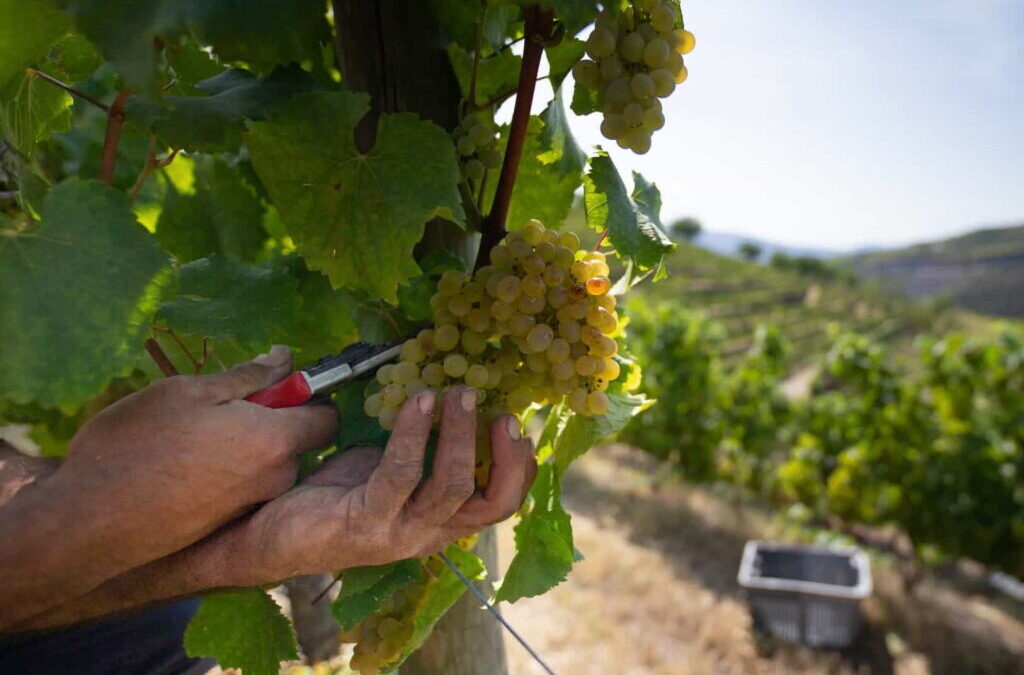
(169, 464)
(368, 507)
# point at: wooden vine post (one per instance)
(394, 51)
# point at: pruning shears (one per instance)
(327, 374)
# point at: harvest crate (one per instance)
(808, 594)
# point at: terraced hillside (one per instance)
(982, 271)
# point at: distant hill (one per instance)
(725, 243)
(982, 271)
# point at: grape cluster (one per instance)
(637, 59)
(475, 141)
(531, 327)
(380, 638)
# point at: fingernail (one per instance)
(425, 401)
(468, 400)
(514, 431)
(277, 356)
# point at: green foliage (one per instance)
(497, 76)
(77, 291)
(241, 628)
(28, 29)
(355, 216)
(363, 589)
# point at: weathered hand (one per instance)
(368, 507)
(164, 467)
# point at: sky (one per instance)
(843, 124)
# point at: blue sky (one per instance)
(843, 124)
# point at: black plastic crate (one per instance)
(808, 594)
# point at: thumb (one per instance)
(248, 378)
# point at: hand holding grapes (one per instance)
(369, 506)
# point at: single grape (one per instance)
(392, 395)
(508, 289)
(610, 370)
(582, 270)
(687, 41)
(481, 135)
(610, 68)
(521, 324)
(491, 159)
(426, 339)
(600, 285)
(503, 311)
(473, 343)
(604, 347)
(519, 250)
(384, 373)
(520, 397)
(663, 17)
(530, 305)
(479, 320)
(632, 114)
(534, 286)
(500, 256)
(641, 85)
(537, 362)
(578, 401)
(564, 256)
(601, 43)
(446, 337)
(433, 375)
(586, 365)
(558, 350)
(551, 237)
(411, 351)
(587, 73)
(656, 53)
(415, 387)
(613, 126)
(597, 401)
(493, 376)
(477, 376)
(405, 372)
(618, 92)
(459, 306)
(465, 146)
(455, 365)
(682, 75)
(539, 338)
(533, 232)
(545, 251)
(534, 264)
(664, 83)
(639, 141)
(570, 331)
(652, 119)
(475, 169)
(632, 47)
(473, 291)
(372, 405)
(554, 275)
(443, 316)
(557, 297)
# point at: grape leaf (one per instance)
(460, 19)
(214, 122)
(557, 143)
(262, 32)
(355, 216)
(72, 58)
(222, 216)
(574, 14)
(76, 295)
(442, 595)
(254, 305)
(241, 628)
(27, 30)
(562, 57)
(192, 64)
(496, 75)
(326, 322)
(541, 190)
(580, 432)
(633, 229)
(363, 589)
(36, 110)
(584, 100)
(544, 548)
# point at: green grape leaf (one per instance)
(253, 305)
(191, 64)
(414, 298)
(558, 146)
(363, 589)
(27, 30)
(215, 122)
(580, 432)
(355, 427)
(72, 58)
(263, 33)
(574, 14)
(542, 190)
(633, 228)
(584, 100)
(35, 110)
(326, 322)
(222, 216)
(496, 75)
(244, 629)
(544, 548)
(460, 19)
(442, 595)
(76, 294)
(562, 57)
(355, 216)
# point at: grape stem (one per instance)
(159, 356)
(151, 165)
(115, 120)
(69, 89)
(538, 25)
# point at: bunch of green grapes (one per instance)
(475, 141)
(637, 59)
(532, 327)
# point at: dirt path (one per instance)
(798, 385)
(656, 594)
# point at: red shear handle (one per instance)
(290, 392)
